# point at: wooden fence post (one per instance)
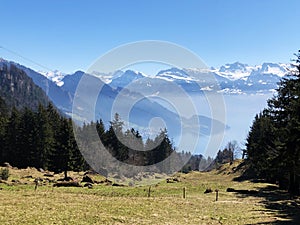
(36, 181)
(149, 191)
(217, 194)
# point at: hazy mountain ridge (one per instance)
(143, 111)
(235, 76)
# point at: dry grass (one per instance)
(104, 204)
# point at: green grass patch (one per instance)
(106, 204)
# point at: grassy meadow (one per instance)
(107, 204)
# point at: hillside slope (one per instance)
(18, 90)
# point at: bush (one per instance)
(4, 174)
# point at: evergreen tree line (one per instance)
(273, 143)
(42, 139)
(128, 146)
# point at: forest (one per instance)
(45, 139)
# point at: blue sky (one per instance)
(69, 35)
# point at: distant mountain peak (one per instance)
(274, 68)
(133, 73)
(173, 71)
(56, 76)
(174, 74)
(237, 66)
(125, 78)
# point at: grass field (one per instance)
(107, 204)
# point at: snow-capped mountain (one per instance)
(56, 76)
(234, 71)
(273, 68)
(235, 78)
(123, 79)
(238, 70)
(174, 74)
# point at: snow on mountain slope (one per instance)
(237, 78)
(125, 78)
(174, 74)
(238, 70)
(234, 71)
(227, 73)
(55, 76)
(273, 68)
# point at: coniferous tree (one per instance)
(45, 142)
(77, 162)
(114, 138)
(262, 147)
(12, 148)
(285, 108)
(273, 143)
(149, 154)
(3, 121)
(100, 128)
(63, 148)
(27, 133)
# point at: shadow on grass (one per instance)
(287, 209)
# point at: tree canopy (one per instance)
(273, 143)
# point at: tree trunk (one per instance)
(294, 184)
(66, 175)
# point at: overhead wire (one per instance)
(25, 58)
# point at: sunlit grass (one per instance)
(105, 204)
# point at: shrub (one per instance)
(4, 174)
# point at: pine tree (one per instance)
(76, 160)
(114, 138)
(262, 148)
(3, 121)
(44, 139)
(163, 150)
(273, 143)
(63, 148)
(27, 134)
(133, 140)
(100, 128)
(12, 148)
(285, 108)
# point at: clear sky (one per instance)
(71, 34)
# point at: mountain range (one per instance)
(235, 78)
(124, 87)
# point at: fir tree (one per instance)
(273, 143)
